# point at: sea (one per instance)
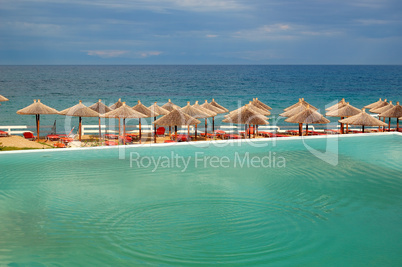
(232, 86)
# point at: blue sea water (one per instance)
(231, 86)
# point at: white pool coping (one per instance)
(201, 143)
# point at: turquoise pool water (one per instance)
(276, 204)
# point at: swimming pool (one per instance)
(313, 201)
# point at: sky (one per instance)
(200, 32)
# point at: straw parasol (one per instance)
(308, 116)
(252, 106)
(3, 99)
(381, 109)
(176, 117)
(79, 110)
(337, 105)
(101, 109)
(144, 110)
(301, 102)
(169, 106)
(195, 113)
(394, 112)
(259, 103)
(37, 109)
(124, 112)
(213, 103)
(363, 119)
(246, 115)
(346, 111)
(117, 105)
(155, 109)
(375, 104)
(293, 111)
(213, 108)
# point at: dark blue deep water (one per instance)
(278, 86)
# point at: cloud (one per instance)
(106, 53)
(149, 54)
(211, 36)
(274, 31)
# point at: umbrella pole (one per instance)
(362, 128)
(249, 132)
(124, 131)
(154, 130)
(379, 127)
(79, 128)
(389, 124)
(256, 131)
(170, 132)
(347, 128)
(300, 129)
(206, 129)
(213, 124)
(195, 137)
(342, 130)
(188, 130)
(175, 133)
(383, 127)
(37, 126)
(140, 129)
(119, 128)
(306, 128)
(100, 131)
(397, 124)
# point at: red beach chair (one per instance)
(29, 136)
(59, 145)
(3, 134)
(111, 143)
(53, 137)
(160, 131)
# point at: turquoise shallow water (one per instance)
(88, 207)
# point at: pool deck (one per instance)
(204, 143)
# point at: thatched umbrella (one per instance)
(195, 113)
(246, 115)
(124, 112)
(101, 109)
(79, 110)
(301, 102)
(213, 108)
(259, 103)
(254, 106)
(37, 109)
(293, 111)
(337, 105)
(3, 99)
(363, 119)
(176, 117)
(214, 103)
(155, 109)
(375, 104)
(169, 106)
(117, 105)
(144, 110)
(346, 111)
(394, 112)
(308, 116)
(381, 109)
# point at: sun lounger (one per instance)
(53, 137)
(29, 136)
(111, 136)
(111, 143)
(181, 138)
(3, 134)
(232, 136)
(59, 145)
